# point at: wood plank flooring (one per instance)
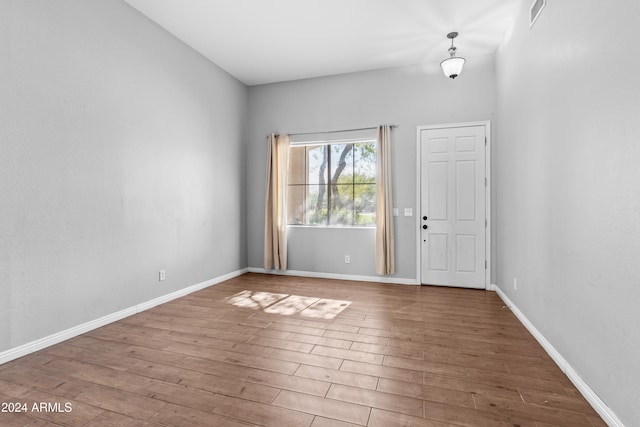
(396, 356)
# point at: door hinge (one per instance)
(485, 140)
(485, 181)
(485, 223)
(485, 264)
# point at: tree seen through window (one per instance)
(332, 184)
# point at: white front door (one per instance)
(452, 215)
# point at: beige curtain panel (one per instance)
(275, 214)
(385, 257)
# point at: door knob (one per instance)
(425, 227)
(424, 217)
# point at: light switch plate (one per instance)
(408, 211)
(395, 212)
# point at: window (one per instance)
(332, 183)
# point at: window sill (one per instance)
(341, 227)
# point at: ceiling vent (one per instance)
(535, 11)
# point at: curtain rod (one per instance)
(335, 131)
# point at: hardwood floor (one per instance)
(395, 356)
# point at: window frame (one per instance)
(332, 142)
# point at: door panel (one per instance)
(452, 190)
(438, 194)
(438, 252)
(466, 253)
(466, 190)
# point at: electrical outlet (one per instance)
(515, 283)
(347, 259)
(162, 275)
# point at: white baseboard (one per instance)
(594, 400)
(33, 346)
(357, 278)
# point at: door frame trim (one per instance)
(487, 161)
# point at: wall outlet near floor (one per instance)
(162, 275)
(347, 259)
(515, 283)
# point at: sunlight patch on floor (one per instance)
(287, 305)
(255, 300)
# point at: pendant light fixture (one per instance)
(452, 66)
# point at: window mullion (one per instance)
(306, 186)
(353, 186)
(329, 174)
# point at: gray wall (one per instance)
(568, 188)
(122, 153)
(407, 97)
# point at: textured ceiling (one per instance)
(266, 41)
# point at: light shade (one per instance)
(452, 67)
